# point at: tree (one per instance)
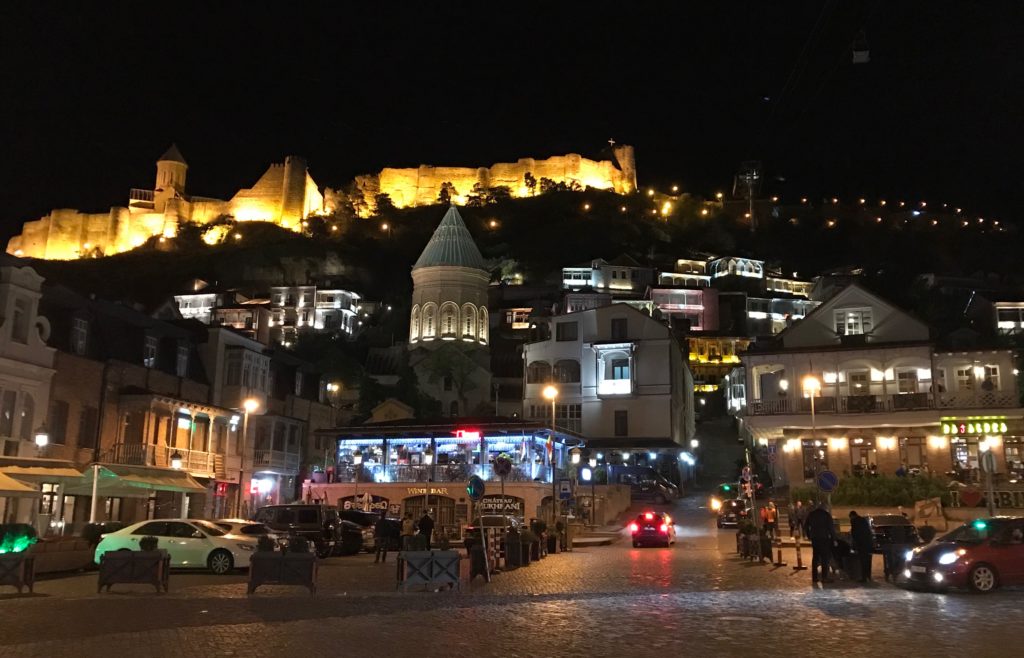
(497, 194)
(452, 361)
(477, 196)
(530, 182)
(383, 203)
(448, 191)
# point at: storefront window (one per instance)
(815, 458)
(863, 456)
(1014, 452)
(913, 452)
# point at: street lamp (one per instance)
(176, 460)
(428, 461)
(357, 461)
(574, 455)
(694, 443)
(42, 437)
(812, 386)
(551, 393)
(249, 405)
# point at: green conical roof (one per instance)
(451, 245)
(172, 155)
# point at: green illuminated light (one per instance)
(980, 525)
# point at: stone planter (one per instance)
(271, 568)
(18, 570)
(135, 567)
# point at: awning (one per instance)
(123, 481)
(35, 471)
(11, 488)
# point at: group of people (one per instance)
(829, 551)
(384, 533)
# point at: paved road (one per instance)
(615, 600)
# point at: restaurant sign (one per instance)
(369, 503)
(423, 491)
(499, 504)
(973, 497)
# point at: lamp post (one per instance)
(551, 393)
(249, 405)
(811, 387)
(428, 460)
(176, 460)
(41, 437)
(593, 491)
(357, 462)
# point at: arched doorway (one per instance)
(443, 514)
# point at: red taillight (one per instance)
(649, 516)
(664, 527)
(633, 527)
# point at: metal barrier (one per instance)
(430, 569)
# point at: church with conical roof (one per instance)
(449, 331)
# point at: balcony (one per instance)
(865, 404)
(276, 461)
(195, 462)
(437, 473)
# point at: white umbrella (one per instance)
(12, 488)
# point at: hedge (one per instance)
(881, 491)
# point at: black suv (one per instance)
(319, 524)
(889, 529)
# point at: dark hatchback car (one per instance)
(889, 529)
(319, 524)
(981, 555)
(733, 512)
(652, 529)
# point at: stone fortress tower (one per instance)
(171, 169)
(449, 314)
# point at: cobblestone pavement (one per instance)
(614, 600)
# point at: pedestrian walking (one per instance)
(426, 526)
(820, 529)
(793, 516)
(381, 539)
(863, 543)
(408, 530)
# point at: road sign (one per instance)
(988, 462)
(475, 488)
(773, 451)
(564, 489)
(827, 481)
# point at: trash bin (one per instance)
(513, 550)
(477, 563)
(552, 543)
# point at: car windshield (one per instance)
(974, 532)
(209, 528)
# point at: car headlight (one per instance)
(247, 547)
(716, 504)
(910, 555)
(951, 557)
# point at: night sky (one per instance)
(91, 95)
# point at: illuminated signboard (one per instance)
(470, 435)
(973, 427)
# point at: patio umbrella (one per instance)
(11, 488)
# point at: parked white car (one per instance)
(192, 543)
(250, 529)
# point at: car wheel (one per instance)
(982, 578)
(220, 562)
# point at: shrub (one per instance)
(881, 491)
(266, 544)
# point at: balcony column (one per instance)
(191, 430)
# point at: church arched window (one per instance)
(429, 326)
(449, 319)
(482, 332)
(468, 321)
(414, 323)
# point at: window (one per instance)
(57, 423)
(19, 329)
(414, 323)
(620, 328)
(991, 381)
(852, 322)
(538, 372)
(621, 423)
(298, 383)
(566, 331)
(619, 369)
(181, 365)
(481, 334)
(429, 318)
(858, 382)
(293, 437)
(79, 335)
(965, 379)
(453, 409)
(28, 413)
(156, 529)
(615, 274)
(48, 503)
(906, 381)
(567, 371)
(447, 382)
(306, 516)
(7, 404)
(449, 319)
(469, 321)
(149, 350)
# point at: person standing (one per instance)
(381, 538)
(820, 529)
(426, 527)
(863, 543)
(408, 530)
(771, 520)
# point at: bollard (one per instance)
(778, 559)
(799, 562)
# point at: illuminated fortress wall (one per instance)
(285, 194)
(421, 185)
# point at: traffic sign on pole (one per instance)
(746, 472)
(564, 489)
(988, 462)
(773, 451)
(827, 481)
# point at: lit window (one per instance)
(181, 365)
(853, 322)
(79, 335)
(149, 351)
